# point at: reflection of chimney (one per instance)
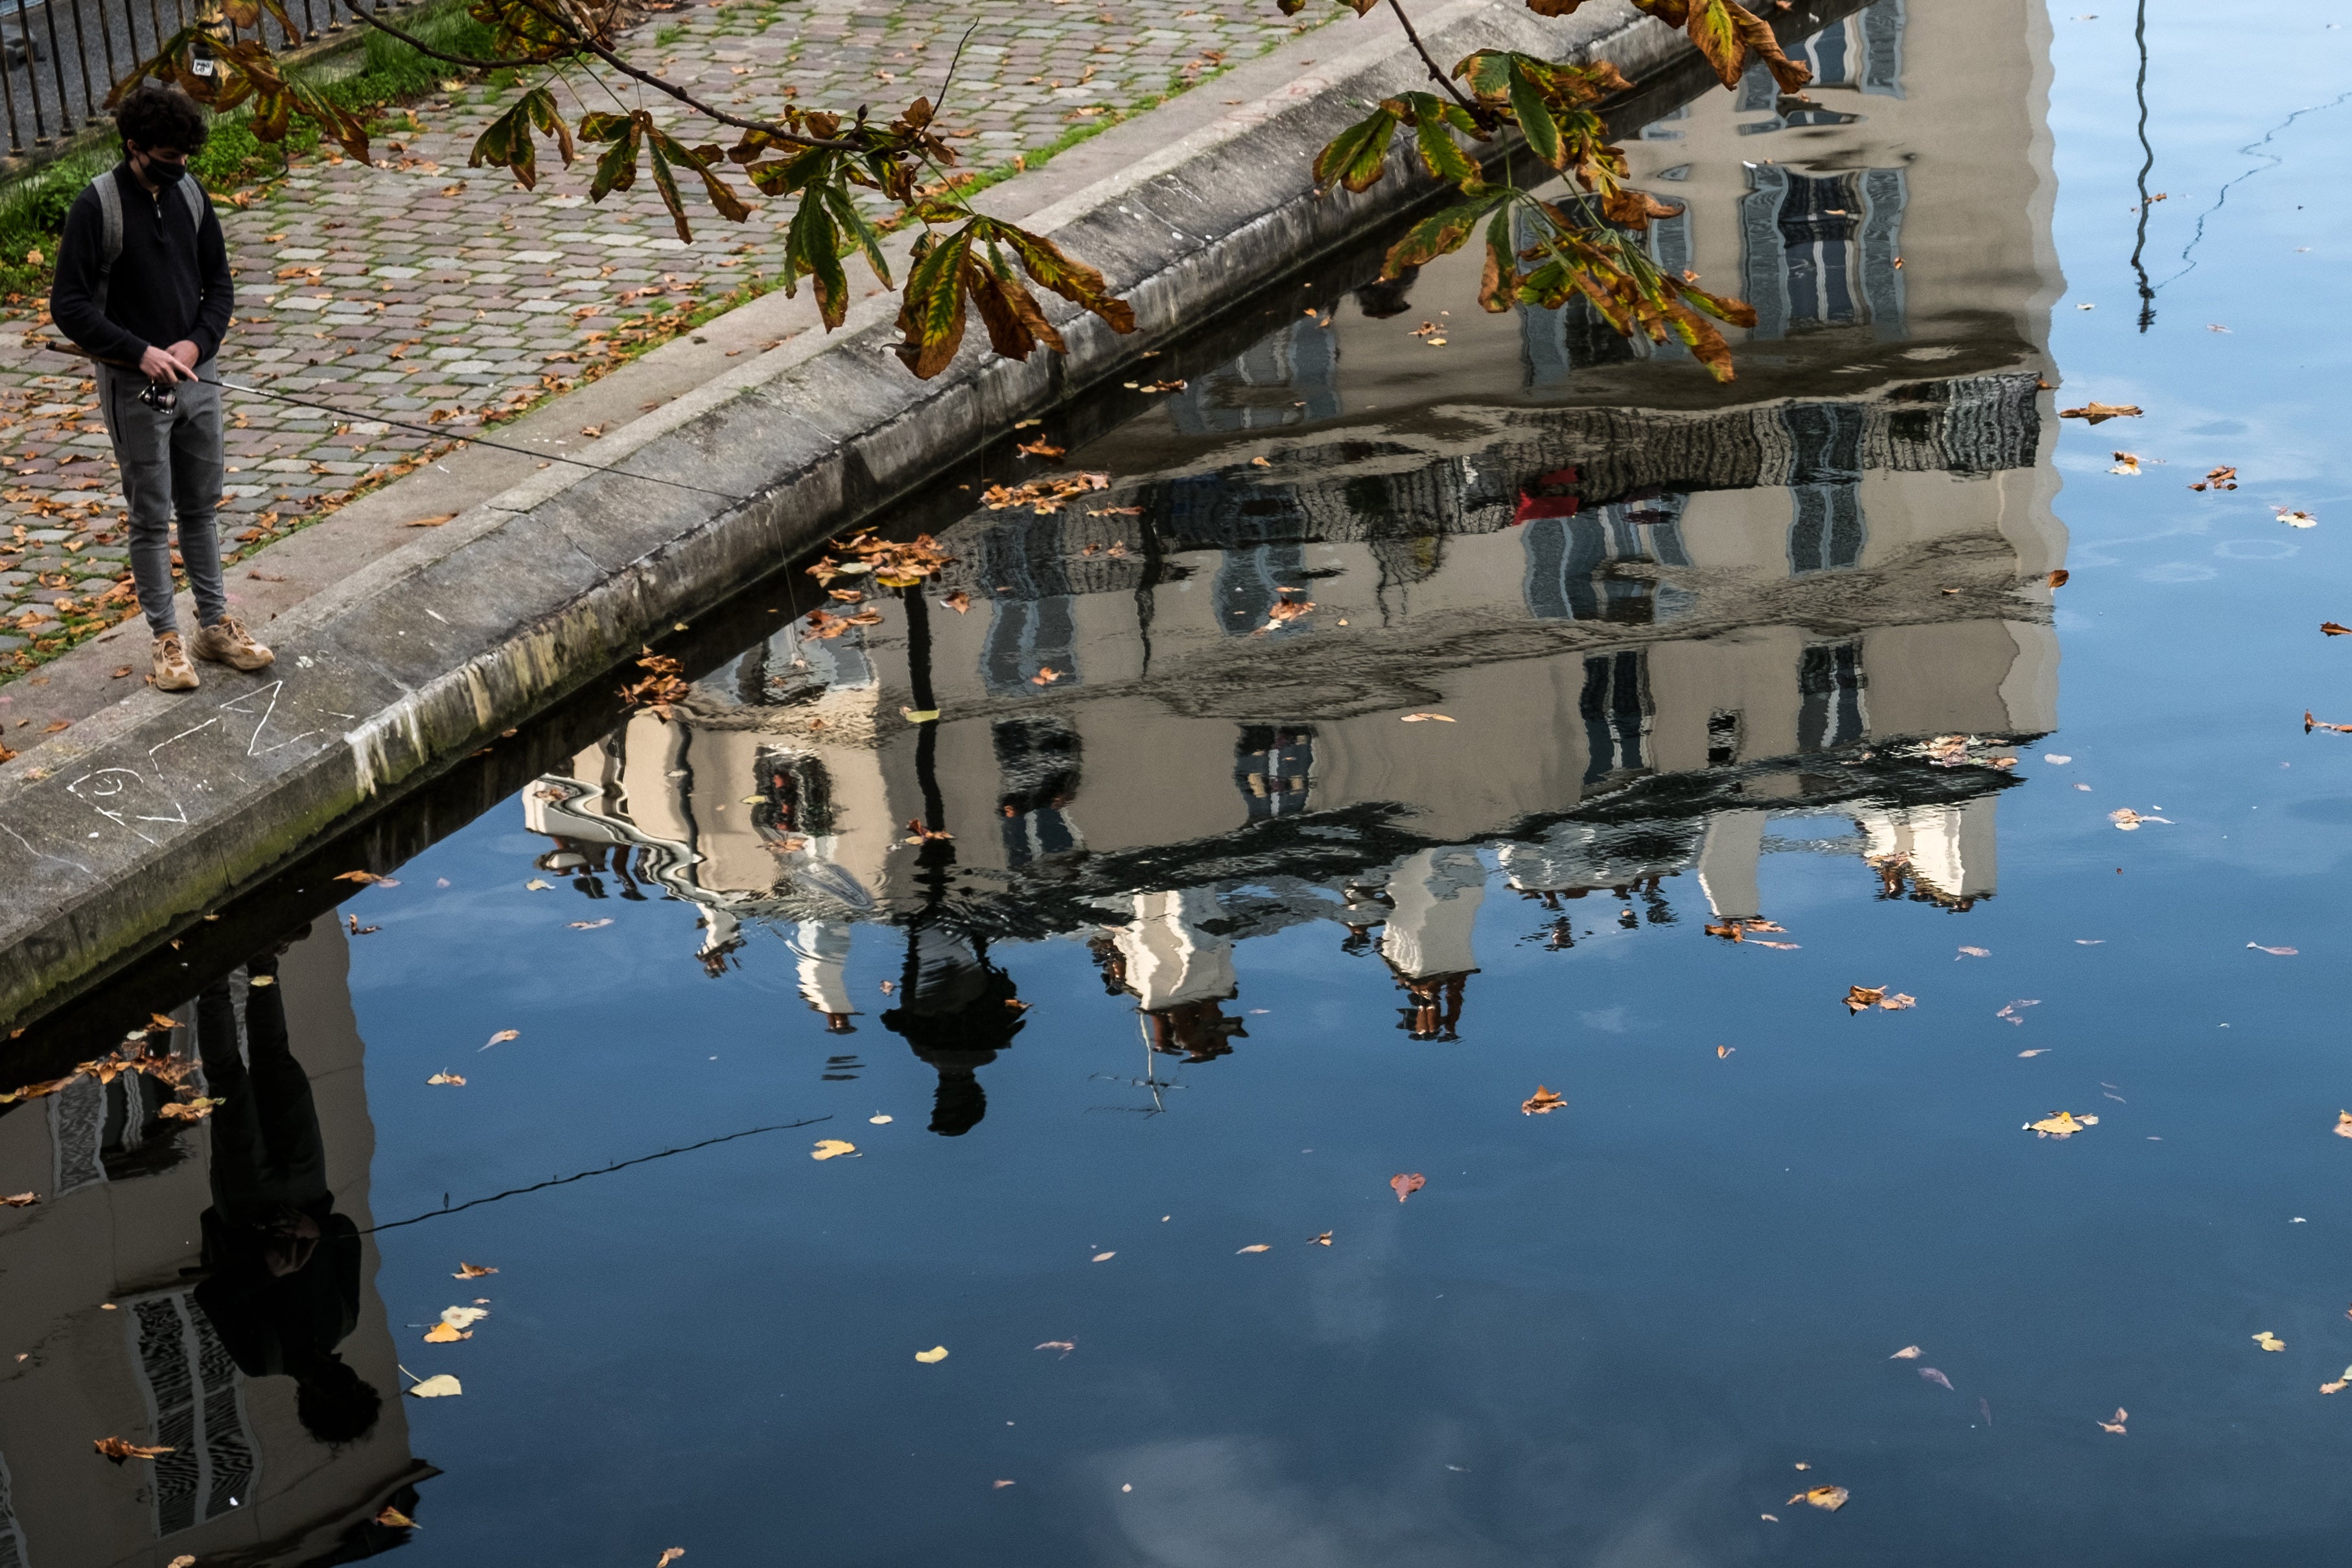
(1437, 894)
(1950, 850)
(1727, 861)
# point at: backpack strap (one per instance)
(110, 211)
(193, 192)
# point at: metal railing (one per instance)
(60, 59)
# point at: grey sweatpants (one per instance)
(170, 463)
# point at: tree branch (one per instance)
(471, 62)
(1481, 115)
(603, 52)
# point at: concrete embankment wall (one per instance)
(140, 819)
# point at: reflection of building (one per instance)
(1894, 215)
(1635, 618)
(103, 1276)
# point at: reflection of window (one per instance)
(1274, 766)
(1037, 765)
(1568, 560)
(1287, 377)
(199, 1411)
(1247, 583)
(78, 1134)
(1881, 48)
(1032, 627)
(1822, 252)
(1829, 691)
(1826, 530)
(1722, 739)
(1615, 706)
(795, 795)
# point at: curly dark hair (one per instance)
(153, 115)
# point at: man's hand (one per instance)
(163, 365)
(186, 352)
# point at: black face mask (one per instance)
(160, 174)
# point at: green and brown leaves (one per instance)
(1358, 155)
(246, 75)
(627, 137)
(1730, 34)
(507, 140)
(980, 264)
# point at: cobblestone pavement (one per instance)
(420, 290)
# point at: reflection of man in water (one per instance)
(283, 1288)
(1427, 938)
(957, 1010)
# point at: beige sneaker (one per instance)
(226, 642)
(172, 671)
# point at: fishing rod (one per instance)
(159, 396)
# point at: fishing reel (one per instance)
(159, 396)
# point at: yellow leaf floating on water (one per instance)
(444, 1333)
(1257, 1247)
(1105, 1257)
(832, 1149)
(2116, 1426)
(2339, 1385)
(1322, 1240)
(933, 1357)
(2344, 1124)
(1427, 718)
(1830, 1498)
(2269, 1341)
(1861, 998)
(1542, 1102)
(472, 1271)
(440, 1385)
(449, 1078)
(391, 1518)
(2059, 1124)
(1908, 1353)
(669, 1555)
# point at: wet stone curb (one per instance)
(140, 819)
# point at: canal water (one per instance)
(1429, 709)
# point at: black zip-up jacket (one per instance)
(170, 283)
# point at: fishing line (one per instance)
(435, 430)
(472, 440)
(2251, 149)
(583, 1176)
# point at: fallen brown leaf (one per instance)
(1929, 1374)
(366, 879)
(2331, 629)
(1908, 1353)
(2269, 1341)
(2059, 577)
(1830, 1498)
(2116, 1426)
(669, 1555)
(1322, 1240)
(19, 1200)
(2310, 724)
(1542, 1102)
(444, 1333)
(959, 602)
(1406, 1185)
(2099, 413)
(472, 1271)
(391, 1518)
(121, 1448)
(449, 1078)
(432, 522)
(1427, 718)
(1256, 1247)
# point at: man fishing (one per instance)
(143, 287)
